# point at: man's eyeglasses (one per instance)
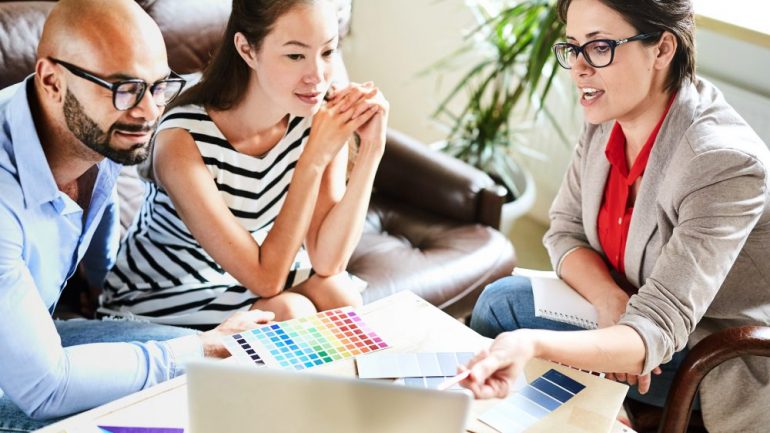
(598, 53)
(126, 94)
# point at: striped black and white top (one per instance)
(162, 274)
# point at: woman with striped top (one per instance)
(248, 206)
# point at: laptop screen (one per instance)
(228, 398)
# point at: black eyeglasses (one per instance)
(126, 94)
(598, 53)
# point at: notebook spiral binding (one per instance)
(567, 318)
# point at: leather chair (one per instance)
(431, 227)
(677, 416)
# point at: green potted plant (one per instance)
(512, 69)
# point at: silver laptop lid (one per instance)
(228, 398)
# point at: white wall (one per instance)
(392, 41)
(742, 72)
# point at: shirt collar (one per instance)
(616, 148)
(35, 176)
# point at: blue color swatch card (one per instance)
(532, 403)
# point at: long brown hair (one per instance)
(224, 80)
(649, 16)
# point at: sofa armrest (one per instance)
(412, 173)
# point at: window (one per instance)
(741, 19)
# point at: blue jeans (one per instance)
(508, 304)
(80, 331)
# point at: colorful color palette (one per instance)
(532, 403)
(308, 341)
(114, 429)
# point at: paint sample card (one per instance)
(306, 342)
(532, 403)
(411, 365)
(428, 382)
(115, 429)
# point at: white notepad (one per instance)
(556, 300)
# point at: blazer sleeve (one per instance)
(566, 232)
(720, 197)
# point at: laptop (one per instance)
(229, 398)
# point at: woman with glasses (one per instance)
(662, 221)
(250, 205)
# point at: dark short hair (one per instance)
(649, 16)
(224, 80)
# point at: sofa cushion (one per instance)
(21, 24)
(443, 261)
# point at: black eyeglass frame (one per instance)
(612, 43)
(82, 73)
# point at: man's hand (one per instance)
(238, 322)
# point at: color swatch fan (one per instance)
(532, 403)
(308, 341)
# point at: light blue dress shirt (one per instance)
(43, 237)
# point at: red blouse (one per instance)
(617, 208)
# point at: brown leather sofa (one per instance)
(431, 224)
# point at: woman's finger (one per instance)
(359, 121)
(351, 99)
(644, 383)
(346, 98)
(365, 106)
(338, 95)
(485, 368)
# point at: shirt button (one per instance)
(620, 221)
(59, 205)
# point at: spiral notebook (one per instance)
(556, 300)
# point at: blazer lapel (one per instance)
(644, 220)
(595, 178)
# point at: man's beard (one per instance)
(88, 132)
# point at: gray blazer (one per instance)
(698, 246)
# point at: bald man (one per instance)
(101, 82)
